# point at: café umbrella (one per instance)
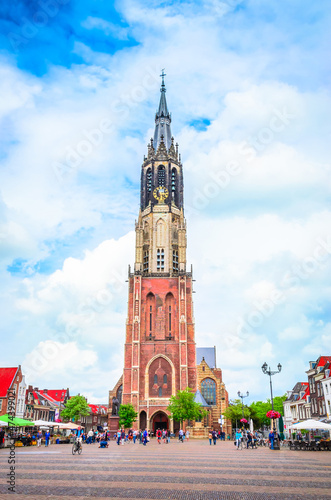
(311, 424)
(18, 422)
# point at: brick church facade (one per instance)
(160, 350)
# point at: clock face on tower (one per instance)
(160, 194)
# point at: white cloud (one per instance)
(251, 231)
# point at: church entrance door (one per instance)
(159, 421)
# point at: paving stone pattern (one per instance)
(190, 471)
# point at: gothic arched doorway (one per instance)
(143, 420)
(159, 421)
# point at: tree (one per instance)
(127, 415)
(75, 407)
(234, 412)
(183, 407)
(260, 408)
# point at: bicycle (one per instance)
(77, 447)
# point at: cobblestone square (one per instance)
(193, 470)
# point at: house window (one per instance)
(155, 379)
(165, 378)
(160, 259)
(160, 392)
(208, 390)
(169, 318)
(146, 261)
(175, 261)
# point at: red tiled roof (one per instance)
(98, 408)
(6, 379)
(323, 360)
(56, 394)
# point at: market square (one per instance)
(193, 470)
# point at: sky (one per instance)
(248, 88)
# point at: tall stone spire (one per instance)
(162, 119)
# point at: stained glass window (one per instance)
(208, 390)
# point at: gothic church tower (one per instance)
(160, 353)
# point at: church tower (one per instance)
(160, 353)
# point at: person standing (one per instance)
(145, 435)
(210, 437)
(168, 436)
(47, 436)
(122, 436)
(238, 438)
(181, 435)
(39, 438)
(271, 439)
(214, 435)
(2, 437)
(159, 435)
(118, 437)
(187, 434)
(134, 437)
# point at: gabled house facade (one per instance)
(296, 406)
(12, 391)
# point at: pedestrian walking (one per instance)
(47, 436)
(187, 434)
(168, 436)
(118, 437)
(181, 435)
(210, 437)
(164, 435)
(134, 437)
(159, 435)
(271, 439)
(39, 438)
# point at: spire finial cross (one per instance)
(163, 74)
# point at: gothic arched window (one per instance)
(165, 378)
(160, 392)
(161, 176)
(173, 180)
(208, 390)
(155, 379)
(149, 180)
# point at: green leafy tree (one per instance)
(127, 415)
(260, 408)
(234, 412)
(75, 407)
(183, 407)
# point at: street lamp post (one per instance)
(242, 396)
(267, 371)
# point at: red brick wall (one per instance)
(158, 293)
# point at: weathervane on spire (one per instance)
(163, 74)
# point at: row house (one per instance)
(97, 419)
(297, 405)
(12, 385)
(317, 373)
(326, 386)
(45, 404)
